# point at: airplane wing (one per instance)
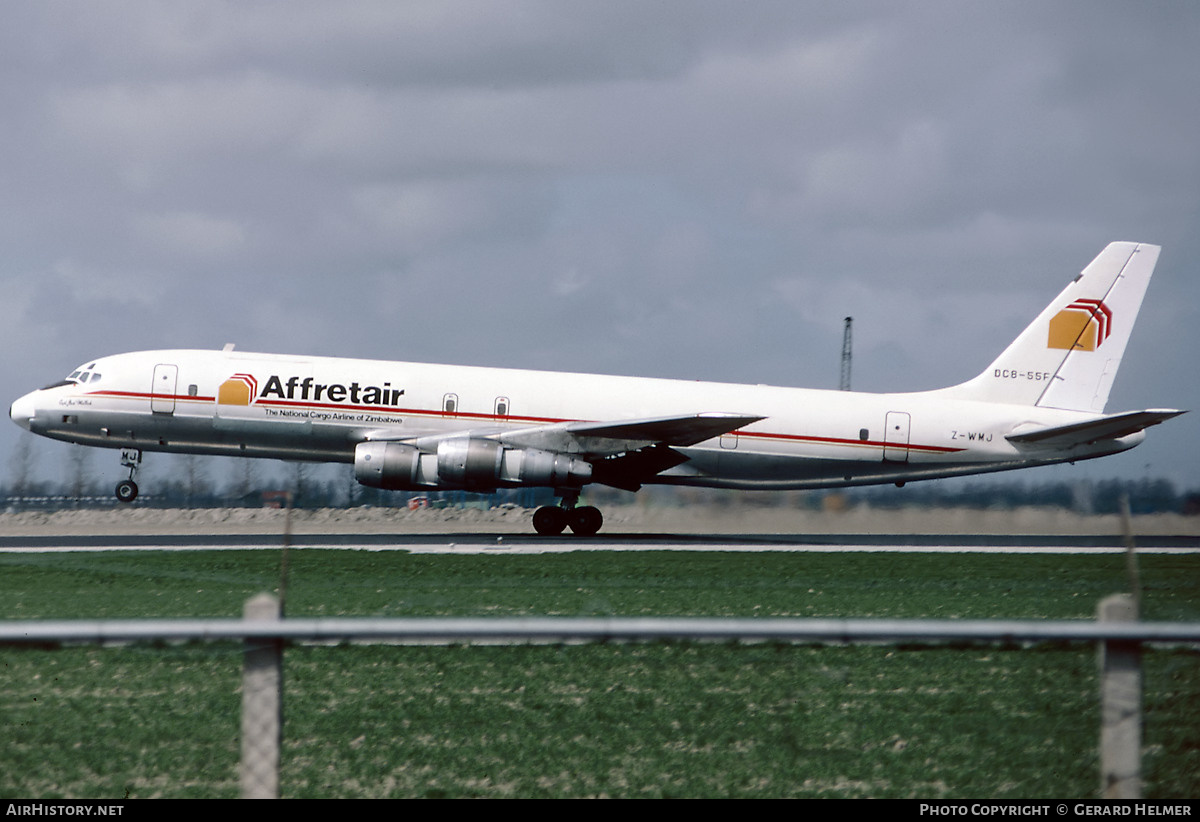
(596, 439)
(1109, 427)
(599, 439)
(624, 453)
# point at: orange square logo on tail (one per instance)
(1083, 325)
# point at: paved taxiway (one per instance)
(468, 543)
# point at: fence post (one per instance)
(1120, 705)
(262, 699)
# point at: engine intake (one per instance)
(389, 465)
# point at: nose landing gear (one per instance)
(550, 520)
(127, 490)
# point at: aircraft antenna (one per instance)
(844, 385)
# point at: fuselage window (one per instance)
(450, 403)
(193, 390)
(501, 406)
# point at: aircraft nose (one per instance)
(22, 411)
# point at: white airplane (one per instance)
(419, 427)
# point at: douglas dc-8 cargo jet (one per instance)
(417, 427)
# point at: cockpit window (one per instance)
(81, 375)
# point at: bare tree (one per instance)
(79, 481)
(300, 482)
(195, 481)
(20, 464)
(247, 478)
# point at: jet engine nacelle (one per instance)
(465, 463)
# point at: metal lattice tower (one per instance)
(844, 384)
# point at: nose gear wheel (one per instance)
(127, 490)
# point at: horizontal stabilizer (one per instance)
(1102, 428)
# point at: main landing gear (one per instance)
(127, 490)
(550, 520)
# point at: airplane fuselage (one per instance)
(318, 408)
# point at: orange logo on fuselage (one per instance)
(1083, 325)
(240, 389)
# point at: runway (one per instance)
(474, 543)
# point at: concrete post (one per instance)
(262, 705)
(1120, 706)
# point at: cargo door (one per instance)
(895, 437)
(162, 388)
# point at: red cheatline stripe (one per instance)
(931, 449)
(139, 395)
(415, 412)
(411, 412)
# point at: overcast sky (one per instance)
(676, 189)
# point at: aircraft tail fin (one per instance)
(1067, 358)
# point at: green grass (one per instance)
(641, 720)
(131, 584)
